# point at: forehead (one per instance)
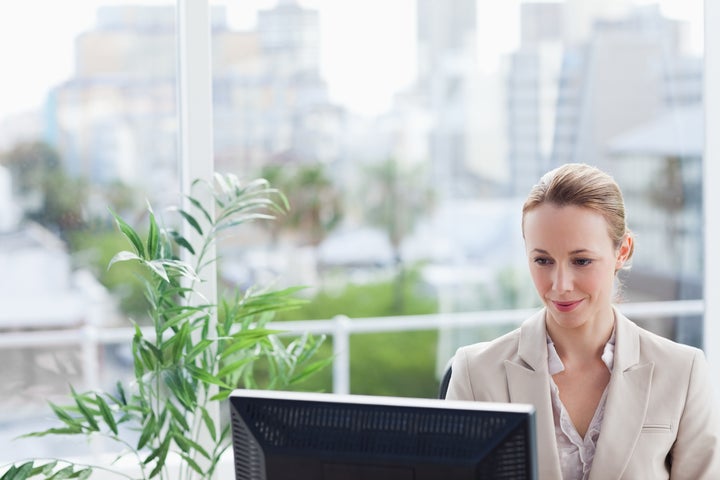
(564, 229)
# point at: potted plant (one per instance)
(193, 355)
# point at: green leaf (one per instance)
(221, 395)
(62, 474)
(56, 431)
(138, 364)
(149, 432)
(62, 414)
(189, 444)
(245, 339)
(175, 320)
(84, 410)
(182, 241)
(84, 474)
(223, 184)
(157, 267)
(191, 220)
(206, 377)
(146, 358)
(153, 239)
(196, 203)
(173, 348)
(234, 366)
(123, 256)
(48, 468)
(192, 463)
(106, 414)
(209, 423)
(311, 370)
(177, 415)
(122, 400)
(18, 473)
(131, 235)
(199, 348)
(182, 391)
(161, 454)
(11, 474)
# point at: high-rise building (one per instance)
(612, 83)
(290, 39)
(532, 93)
(278, 111)
(447, 84)
(115, 119)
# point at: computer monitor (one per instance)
(322, 436)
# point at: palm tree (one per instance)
(315, 202)
(396, 198)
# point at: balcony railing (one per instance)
(91, 339)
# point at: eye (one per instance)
(542, 261)
(582, 262)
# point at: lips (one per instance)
(566, 306)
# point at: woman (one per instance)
(612, 400)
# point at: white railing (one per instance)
(90, 338)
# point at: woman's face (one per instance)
(573, 263)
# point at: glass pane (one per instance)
(406, 135)
(87, 125)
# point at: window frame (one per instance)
(711, 196)
(196, 150)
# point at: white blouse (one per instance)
(576, 453)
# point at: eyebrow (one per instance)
(574, 252)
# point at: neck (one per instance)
(582, 343)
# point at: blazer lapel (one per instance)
(626, 405)
(528, 383)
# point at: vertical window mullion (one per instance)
(195, 131)
(711, 194)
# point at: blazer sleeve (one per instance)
(459, 387)
(696, 453)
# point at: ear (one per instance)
(624, 251)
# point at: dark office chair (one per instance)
(445, 380)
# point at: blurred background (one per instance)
(405, 135)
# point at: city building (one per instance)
(613, 82)
(465, 150)
(115, 118)
(532, 89)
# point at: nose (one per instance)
(562, 279)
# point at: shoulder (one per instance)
(672, 361)
(499, 348)
(478, 371)
(654, 347)
(507, 346)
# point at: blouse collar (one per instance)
(555, 365)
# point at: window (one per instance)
(88, 122)
(405, 135)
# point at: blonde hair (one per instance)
(584, 186)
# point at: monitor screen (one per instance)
(323, 436)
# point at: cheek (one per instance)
(595, 281)
(541, 279)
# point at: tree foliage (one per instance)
(316, 207)
(395, 198)
(37, 171)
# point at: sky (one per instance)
(36, 48)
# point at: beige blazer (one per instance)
(661, 420)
